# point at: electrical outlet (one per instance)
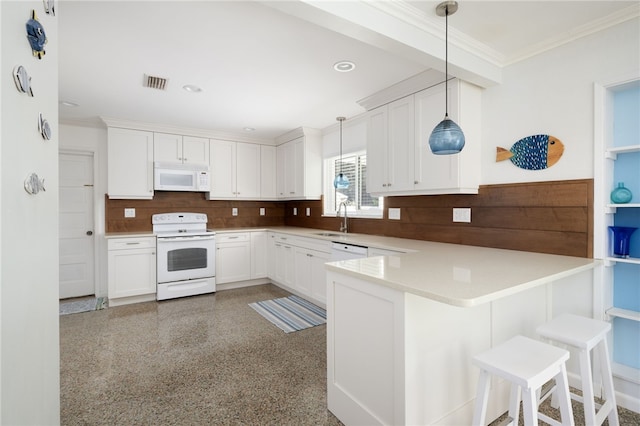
(462, 215)
(308, 211)
(262, 212)
(394, 214)
(129, 212)
(295, 211)
(234, 211)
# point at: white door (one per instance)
(76, 237)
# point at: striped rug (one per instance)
(291, 313)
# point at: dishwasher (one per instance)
(341, 251)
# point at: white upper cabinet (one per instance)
(299, 167)
(129, 164)
(399, 159)
(390, 147)
(179, 149)
(235, 170)
(268, 172)
(448, 174)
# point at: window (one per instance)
(359, 202)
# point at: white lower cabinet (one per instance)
(131, 264)
(258, 254)
(297, 264)
(233, 257)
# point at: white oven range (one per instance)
(186, 264)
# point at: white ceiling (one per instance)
(262, 68)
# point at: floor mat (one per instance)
(84, 305)
(291, 313)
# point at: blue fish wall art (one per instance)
(537, 152)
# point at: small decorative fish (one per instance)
(535, 152)
(36, 36)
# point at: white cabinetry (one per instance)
(258, 254)
(268, 172)
(131, 270)
(233, 257)
(298, 265)
(398, 156)
(235, 170)
(390, 147)
(448, 174)
(299, 167)
(179, 149)
(129, 164)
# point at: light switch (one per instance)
(295, 211)
(394, 214)
(262, 212)
(129, 212)
(308, 211)
(234, 211)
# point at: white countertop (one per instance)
(455, 274)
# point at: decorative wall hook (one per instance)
(33, 184)
(22, 80)
(50, 7)
(36, 36)
(44, 128)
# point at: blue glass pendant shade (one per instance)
(447, 138)
(341, 182)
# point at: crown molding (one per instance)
(185, 131)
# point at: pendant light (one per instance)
(341, 181)
(447, 137)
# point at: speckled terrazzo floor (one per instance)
(202, 360)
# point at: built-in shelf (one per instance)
(612, 208)
(610, 261)
(624, 313)
(612, 153)
(625, 372)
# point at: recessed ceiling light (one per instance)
(249, 129)
(344, 66)
(68, 104)
(191, 88)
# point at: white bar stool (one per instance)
(586, 334)
(527, 364)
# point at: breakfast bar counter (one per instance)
(401, 330)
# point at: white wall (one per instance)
(552, 93)
(29, 348)
(94, 141)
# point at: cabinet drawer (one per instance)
(232, 237)
(131, 243)
(314, 244)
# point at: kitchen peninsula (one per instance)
(402, 329)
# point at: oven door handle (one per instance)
(194, 238)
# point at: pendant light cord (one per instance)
(446, 62)
(341, 147)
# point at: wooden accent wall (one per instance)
(545, 217)
(218, 212)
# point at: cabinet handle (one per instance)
(415, 182)
(232, 238)
(153, 253)
(292, 192)
(388, 184)
(185, 159)
(384, 185)
(309, 255)
(133, 244)
(180, 158)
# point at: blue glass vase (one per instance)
(621, 195)
(621, 237)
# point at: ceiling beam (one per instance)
(398, 28)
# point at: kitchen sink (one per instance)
(329, 234)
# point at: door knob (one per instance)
(89, 233)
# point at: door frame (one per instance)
(98, 217)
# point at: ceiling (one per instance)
(260, 67)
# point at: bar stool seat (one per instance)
(527, 364)
(586, 334)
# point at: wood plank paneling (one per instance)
(545, 217)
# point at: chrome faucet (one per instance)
(344, 226)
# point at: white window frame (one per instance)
(329, 192)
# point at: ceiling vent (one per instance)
(155, 82)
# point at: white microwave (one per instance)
(181, 177)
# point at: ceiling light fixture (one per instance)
(344, 66)
(191, 88)
(447, 137)
(248, 129)
(341, 181)
(68, 104)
